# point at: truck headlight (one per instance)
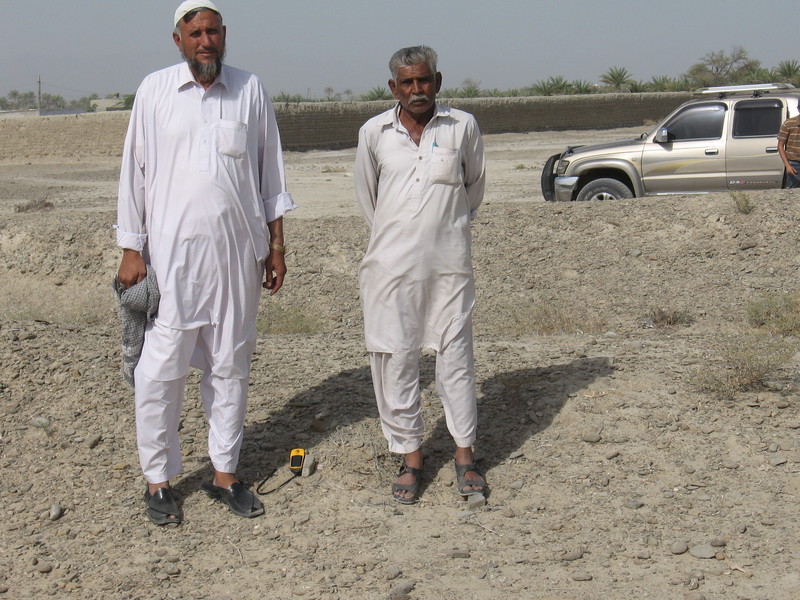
(561, 168)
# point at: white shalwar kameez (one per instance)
(416, 278)
(202, 175)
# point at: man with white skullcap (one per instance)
(202, 196)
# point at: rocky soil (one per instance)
(612, 473)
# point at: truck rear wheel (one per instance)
(604, 189)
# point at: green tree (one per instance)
(470, 89)
(284, 97)
(331, 95)
(51, 102)
(661, 83)
(581, 86)
(16, 100)
(722, 68)
(86, 102)
(450, 93)
(617, 78)
(789, 71)
(552, 86)
(378, 93)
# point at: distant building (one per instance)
(104, 104)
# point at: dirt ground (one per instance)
(612, 474)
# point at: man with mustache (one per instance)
(419, 178)
(202, 196)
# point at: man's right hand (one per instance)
(132, 269)
(791, 170)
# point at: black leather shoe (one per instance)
(162, 508)
(241, 501)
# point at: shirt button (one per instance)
(417, 179)
(419, 157)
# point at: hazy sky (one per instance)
(305, 46)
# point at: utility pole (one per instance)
(39, 95)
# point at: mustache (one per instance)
(419, 98)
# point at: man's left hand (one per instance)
(275, 272)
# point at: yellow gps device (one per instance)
(296, 458)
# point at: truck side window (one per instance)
(757, 118)
(700, 122)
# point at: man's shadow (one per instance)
(304, 421)
(513, 407)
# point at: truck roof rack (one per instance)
(756, 89)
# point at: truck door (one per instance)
(751, 158)
(690, 153)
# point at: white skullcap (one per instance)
(190, 5)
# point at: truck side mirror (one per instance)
(662, 136)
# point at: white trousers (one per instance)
(395, 377)
(159, 401)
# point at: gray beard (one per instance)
(205, 72)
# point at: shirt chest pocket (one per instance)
(232, 138)
(444, 166)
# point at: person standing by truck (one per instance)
(789, 150)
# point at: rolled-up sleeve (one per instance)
(277, 201)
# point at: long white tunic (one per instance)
(202, 175)
(416, 278)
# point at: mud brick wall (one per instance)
(67, 136)
(330, 125)
(306, 126)
(553, 113)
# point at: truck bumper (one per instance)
(564, 187)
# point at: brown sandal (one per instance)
(463, 482)
(407, 487)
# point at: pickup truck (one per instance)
(724, 140)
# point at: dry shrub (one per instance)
(550, 319)
(778, 314)
(742, 202)
(332, 169)
(746, 364)
(662, 317)
(34, 206)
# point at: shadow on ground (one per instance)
(513, 407)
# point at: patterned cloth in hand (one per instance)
(137, 305)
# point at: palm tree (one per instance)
(581, 86)
(788, 70)
(552, 86)
(378, 93)
(661, 83)
(470, 88)
(450, 93)
(617, 78)
(543, 87)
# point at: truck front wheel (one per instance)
(604, 189)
